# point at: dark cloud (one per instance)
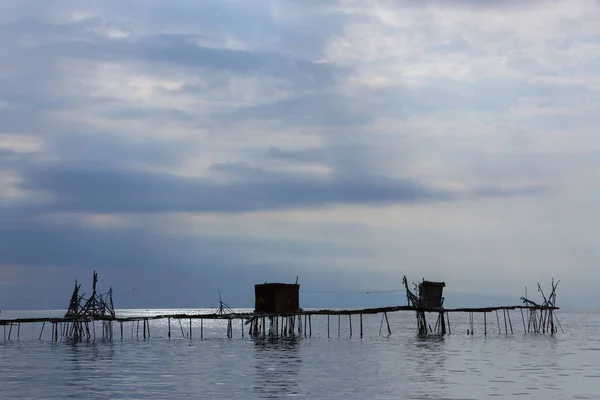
(301, 156)
(150, 269)
(85, 188)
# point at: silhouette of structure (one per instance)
(278, 314)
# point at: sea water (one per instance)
(376, 366)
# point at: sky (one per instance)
(184, 147)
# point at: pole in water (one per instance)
(484, 323)
(190, 328)
(388, 324)
(42, 330)
(350, 322)
(305, 322)
(339, 326)
(361, 325)
(498, 319)
(169, 327)
(201, 328)
(328, 326)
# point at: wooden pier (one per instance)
(81, 320)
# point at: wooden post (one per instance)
(509, 322)
(305, 322)
(263, 326)
(18, 331)
(169, 329)
(328, 326)
(180, 327)
(339, 326)
(448, 318)
(443, 323)
(484, 324)
(309, 326)
(498, 319)
(121, 326)
(190, 328)
(388, 324)
(201, 328)
(523, 318)
(350, 322)
(361, 325)
(505, 325)
(42, 330)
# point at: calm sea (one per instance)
(400, 366)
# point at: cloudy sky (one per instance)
(187, 146)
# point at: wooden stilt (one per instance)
(350, 322)
(180, 327)
(42, 330)
(498, 319)
(388, 324)
(442, 323)
(361, 325)
(328, 326)
(484, 324)
(305, 322)
(169, 328)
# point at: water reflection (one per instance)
(430, 359)
(277, 367)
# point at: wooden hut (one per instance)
(431, 294)
(276, 298)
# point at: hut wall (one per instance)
(277, 298)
